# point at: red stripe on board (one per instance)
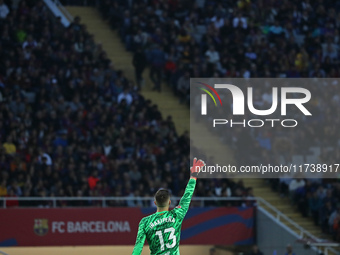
(208, 215)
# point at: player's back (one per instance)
(162, 230)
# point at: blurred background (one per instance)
(94, 119)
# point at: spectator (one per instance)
(183, 86)
(3, 189)
(276, 31)
(333, 223)
(240, 21)
(17, 106)
(107, 147)
(12, 203)
(79, 45)
(315, 205)
(93, 180)
(139, 62)
(325, 213)
(44, 158)
(213, 55)
(140, 40)
(125, 95)
(255, 251)
(294, 185)
(218, 21)
(135, 174)
(29, 43)
(9, 146)
(289, 249)
(157, 62)
(3, 10)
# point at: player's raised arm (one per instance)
(184, 204)
(137, 250)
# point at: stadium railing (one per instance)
(58, 9)
(104, 200)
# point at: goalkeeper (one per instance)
(162, 229)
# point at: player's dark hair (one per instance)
(162, 196)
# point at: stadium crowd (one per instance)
(318, 200)
(73, 125)
(183, 39)
(235, 39)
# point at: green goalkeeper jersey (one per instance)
(162, 230)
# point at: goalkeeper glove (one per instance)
(196, 167)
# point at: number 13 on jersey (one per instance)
(172, 238)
